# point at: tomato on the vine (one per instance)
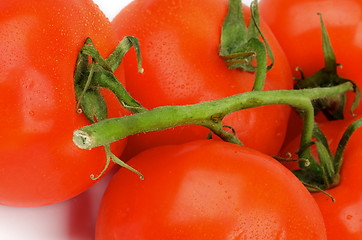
(207, 189)
(297, 27)
(343, 219)
(40, 40)
(179, 43)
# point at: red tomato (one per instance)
(207, 189)
(40, 41)
(297, 27)
(179, 43)
(343, 219)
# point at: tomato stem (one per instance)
(326, 174)
(240, 46)
(89, 78)
(260, 72)
(209, 114)
(338, 157)
(101, 74)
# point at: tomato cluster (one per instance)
(180, 56)
(196, 186)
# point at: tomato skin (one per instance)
(179, 43)
(343, 219)
(207, 189)
(40, 40)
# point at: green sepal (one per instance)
(100, 73)
(338, 156)
(240, 46)
(116, 57)
(107, 80)
(90, 101)
(93, 105)
(332, 108)
(90, 77)
(326, 174)
(234, 31)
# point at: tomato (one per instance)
(179, 43)
(40, 41)
(298, 29)
(343, 219)
(207, 189)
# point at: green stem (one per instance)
(89, 78)
(209, 114)
(338, 157)
(261, 60)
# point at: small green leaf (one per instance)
(338, 157)
(234, 31)
(329, 56)
(332, 108)
(116, 57)
(326, 164)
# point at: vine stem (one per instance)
(208, 114)
(261, 59)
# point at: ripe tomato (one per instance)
(207, 189)
(298, 29)
(40, 40)
(343, 219)
(179, 42)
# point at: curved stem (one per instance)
(338, 157)
(307, 131)
(261, 61)
(205, 114)
(218, 129)
(118, 161)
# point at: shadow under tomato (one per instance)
(83, 209)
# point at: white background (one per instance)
(70, 220)
(112, 7)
